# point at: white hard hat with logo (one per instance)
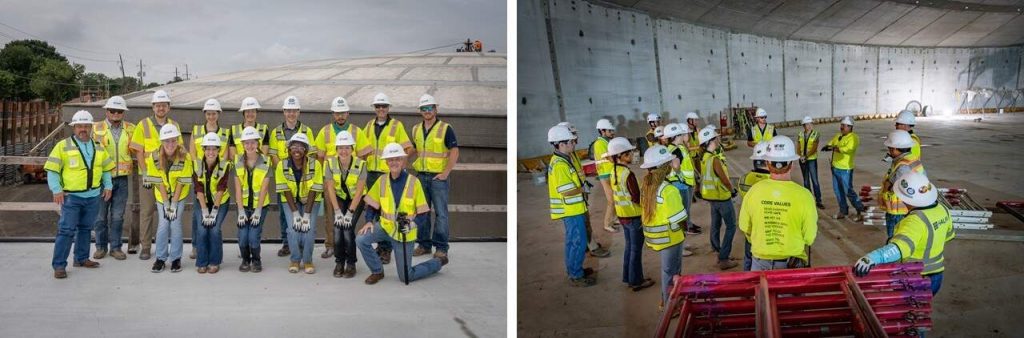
(675, 129)
(381, 98)
(427, 100)
(617, 146)
(847, 121)
(899, 139)
(604, 124)
(761, 113)
(559, 134)
(344, 138)
(211, 140)
(169, 131)
(116, 102)
(392, 150)
(659, 131)
(249, 133)
(759, 150)
(211, 104)
(249, 103)
(656, 156)
(299, 137)
(806, 120)
(906, 117)
(339, 105)
(653, 117)
(780, 149)
(914, 189)
(707, 134)
(692, 116)
(81, 117)
(160, 96)
(291, 102)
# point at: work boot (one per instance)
(144, 254)
(310, 269)
(213, 269)
(839, 216)
(246, 260)
(600, 252)
(350, 271)
(284, 251)
(176, 265)
(439, 254)
(158, 266)
(244, 267)
(293, 267)
(726, 265)
(99, 254)
(193, 254)
(587, 272)
(257, 265)
(582, 282)
(385, 256)
(859, 217)
(444, 260)
(201, 269)
(373, 278)
(87, 264)
(328, 253)
(339, 270)
(133, 249)
(643, 285)
(60, 273)
(118, 255)
(420, 251)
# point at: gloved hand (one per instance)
(241, 218)
(172, 211)
(213, 215)
(305, 223)
(886, 254)
(339, 218)
(826, 148)
(863, 266)
(147, 185)
(347, 222)
(257, 215)
(205, 219)
(586, 187)
(407, 228)
(296, 221)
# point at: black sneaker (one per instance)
(176, 265)
(244, 267)
(257, 265)
(693, 230)
(582, 282)
(158, 266)
(284, 251)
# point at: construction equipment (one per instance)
(892, 300)
(966, 212)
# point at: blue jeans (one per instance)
(403, 255)
(77, 216)
(371, 178)
(110, 217)
(249, 236)
(722, 211)
(301, 243)
(282, 205)
(671, 265)
(632, 259)
(209, 243)
(437, 199)
(768, 265)
(842, 183)
(171, 229)
(936, 282)
(809, 170)
(890, 224)
(684, 192)
(575, 244)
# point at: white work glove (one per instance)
(339, 218)
(213, 216)
(296, 221)
(254, 220)
(863, 266)
(171, 212)
(406, 229)
(305, 223)
(205, 220)
(241, 218)
(347, 222)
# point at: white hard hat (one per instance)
(339, 105)
(913, 188)
(116, 102)
(211, 104)
(211, 140)
(380, 98)
(761, 113)
(653, 117)
(160, 96)
(655, 156)
(707, 134)
(759, 150)
(604, 124)
(571, 127)
(899, 139)
(780, 149)
(559, 134)
(392, 150)
(905, 117)
(617, 146)
(291, 102)
(847, 121)
(249, 103)
(344, 138)
(806, 120)
(675, 129)
(169, 131)
(692, 116)
(249, 133)
(427, 100)
(299, 137)
(81, 117)
(659, 131)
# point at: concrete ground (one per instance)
(981, 287)
(123, 298)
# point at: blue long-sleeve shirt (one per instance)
(373, 215)
(88, 151)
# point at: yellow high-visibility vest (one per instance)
(922, 236)
(412, 202)
(762, 135)
(373, 144)
(251, 180)
(356, 170)
(325, 138)
(844, 150)
(805, 143)
(220, 172)
(604, 165)
(119, 152)
(562, 177)
(179, 172)
(685, 172)
(431, 152)
(664, 230)
(916, 149)
(712, 187)
(236, 135)
(279, 145)
(311, 180)
(624, 206)
(901, 165)
(750, 179)
(199, 131)
(146, 139)
(77, 175)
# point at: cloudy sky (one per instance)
(220, 36)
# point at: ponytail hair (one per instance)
(649, 191)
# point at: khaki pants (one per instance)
(329, 223)
(147, 216)
(609, 210)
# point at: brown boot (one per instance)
(60, 273)
(373, 278)
(350, 271)
(144, 254)
(99, 254)
(726, 265)
(420, 251)
(87, 264)
(339, 270)
(118, 255)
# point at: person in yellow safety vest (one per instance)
(761, 131)
(252, 187)
(594, 248)
(565, 191)
(396, 204)
(905, 121)
(778, 217)
(210, 176)
(717, 189)
(344, 187)
(693, 124)
(279, 141)
(807, 149)
(299, 179)
(844, 149)
(919, 237)
(145, 143)
(76, 171)
(653, 121)
(169, 170)
(437, 152)
(663, 215)
(250, 108)
(677, 136)
(757, 174)
(377, 134)
(114, 134)
(605, 131)
(212, 110)
(659, 136)
(899, 144)
(627, 208)
(325, 140)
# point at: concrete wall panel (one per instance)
(693, 69)
(536, 98)
(755, 74)
(854, 79)
(900, 73)
(945, 72)
(808, 80)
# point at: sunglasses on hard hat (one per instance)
(380, 106)
(113, 111)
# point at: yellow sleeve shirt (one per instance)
(779, 219)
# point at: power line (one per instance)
(58, 52)
(40, 38)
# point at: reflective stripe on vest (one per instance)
(931, 264)
(345, 187)
(389, 208)
(251, 179)
(236, 135)
(664, 230)
(711, 187)
(891, 202)
(561, 205)
(199, 132)
(76, 175)
(804, 141)
(118, 152)
(431, 152)
(373, 150)
(762, 135)
(624, 206)
(220, 172)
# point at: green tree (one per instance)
(56, 81)
(20, 60)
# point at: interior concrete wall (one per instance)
(626, 63)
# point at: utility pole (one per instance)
(186, 72)
(175, 72)
(123, 84)
(141, 82)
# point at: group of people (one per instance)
(778, 217)
(342, 172)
